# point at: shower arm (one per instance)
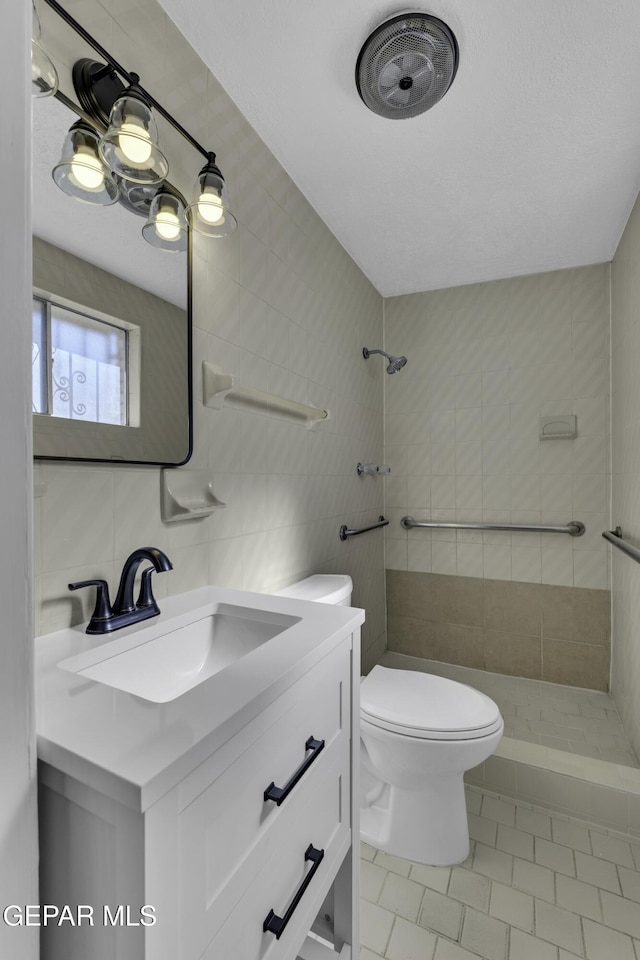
(367, 353)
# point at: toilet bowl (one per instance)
(419, 733)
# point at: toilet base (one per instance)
(428, 825)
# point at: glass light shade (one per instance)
(80, 172)
(166, 227)
(130, 145)
(209, 212)
(44, 76)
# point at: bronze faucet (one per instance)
(125, 611)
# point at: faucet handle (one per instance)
(146, 598)
(102, 610)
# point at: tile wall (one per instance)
(283, 307)
(486, 361)
(625, 512)
(558, 634)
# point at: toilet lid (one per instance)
(423, 705)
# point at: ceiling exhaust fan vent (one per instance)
(406, 65)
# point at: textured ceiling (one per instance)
(531, 162)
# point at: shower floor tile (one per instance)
(583, 722)
(558, 911)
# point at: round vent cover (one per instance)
(406, 65)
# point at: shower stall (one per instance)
(497, 571)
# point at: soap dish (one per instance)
(187, 495)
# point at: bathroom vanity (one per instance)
(210, 804)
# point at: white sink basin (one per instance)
(171, 656)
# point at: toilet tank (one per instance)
(323, 588)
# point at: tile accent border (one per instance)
(540, 631)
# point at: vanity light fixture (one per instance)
(80, 173)
(166, 227)
(130, 145)
(209, 212)
(44, 76)
(130, 154)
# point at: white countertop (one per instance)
(135, 750)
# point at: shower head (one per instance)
(395, 363)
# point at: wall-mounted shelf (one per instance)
(187, 495)
(219, 388)
(561, 427)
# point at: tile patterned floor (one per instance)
(579, 721)
(536, 886)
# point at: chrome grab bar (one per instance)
(574, 528)
(345, 532)
(615, 537)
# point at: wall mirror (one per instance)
(117, 313)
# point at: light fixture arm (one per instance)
(130, 78)
(74, 107)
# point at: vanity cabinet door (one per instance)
(229, 831)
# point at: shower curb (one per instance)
(589, 789)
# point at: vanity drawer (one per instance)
(290, 879)
(224, 843)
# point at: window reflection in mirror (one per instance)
(81, 364)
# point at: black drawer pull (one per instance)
(280, 794)
(276, 924)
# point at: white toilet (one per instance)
(418, 735)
